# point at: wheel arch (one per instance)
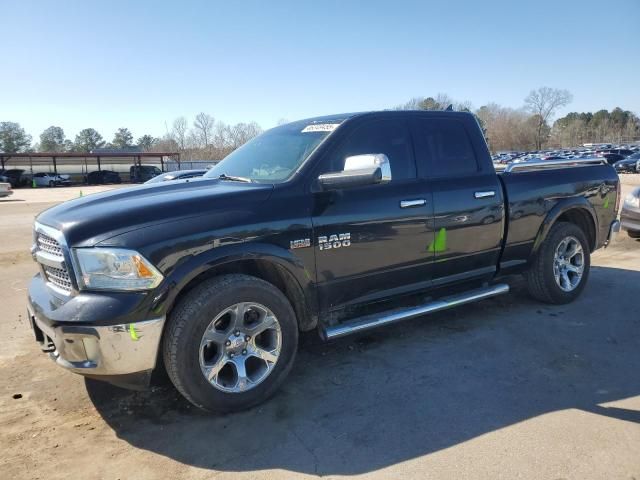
(272, 264)
(572, 210)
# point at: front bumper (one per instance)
(121, 353)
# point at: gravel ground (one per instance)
(507, 388)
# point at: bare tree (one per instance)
(179, 132)
(543, 103)
(506, 128)
(413, 104)
(241, 133)
(221, 136)
(165, 144)
(440, 102)
(203, 126)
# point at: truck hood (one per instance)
(89, 220)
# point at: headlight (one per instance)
(632, 201)
(115, 269)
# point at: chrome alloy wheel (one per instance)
(568, 264)
(240, 347)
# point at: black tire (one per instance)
(541, 281)
(188, 322)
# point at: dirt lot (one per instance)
(507, 388)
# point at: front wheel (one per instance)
(560, 270)
(230, 343)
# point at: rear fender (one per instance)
(562, 207)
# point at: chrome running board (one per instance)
(377, 320)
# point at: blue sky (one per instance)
(105, 65)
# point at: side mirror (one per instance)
(359, 170)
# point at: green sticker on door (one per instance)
(439, 243)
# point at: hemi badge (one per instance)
(301, 243)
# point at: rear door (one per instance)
(468, 205)
(379, 234)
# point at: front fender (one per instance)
(193, 266)
(562, 207)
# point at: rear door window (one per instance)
(443, 148)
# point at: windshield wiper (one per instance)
(233, 178)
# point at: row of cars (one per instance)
(145, 174)
(100, 177)
(17, 178)
(152, 175)
(624, 158)
(22, 178)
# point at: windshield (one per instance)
(275, 155)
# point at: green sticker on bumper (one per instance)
(132, 332)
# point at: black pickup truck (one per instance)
(336, 224)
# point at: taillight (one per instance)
(618, 195)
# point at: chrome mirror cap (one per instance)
(369, 160)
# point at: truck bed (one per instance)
(538, 192)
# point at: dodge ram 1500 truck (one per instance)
(340, 223)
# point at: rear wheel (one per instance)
(230, 343)
(561, 267)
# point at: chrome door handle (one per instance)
(485, 194)
(418, 202)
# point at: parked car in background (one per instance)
(142, 173)
(177, 175)
(5, 190)
(630, 216)
(625, 152)
(102, 177)
(613, 157)
(631, 164)
(17, 177)
(43, 179)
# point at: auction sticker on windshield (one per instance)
(320, 127)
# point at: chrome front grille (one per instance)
(58, 277)
(49, 245)
(50, 254)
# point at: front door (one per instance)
(373, 242)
